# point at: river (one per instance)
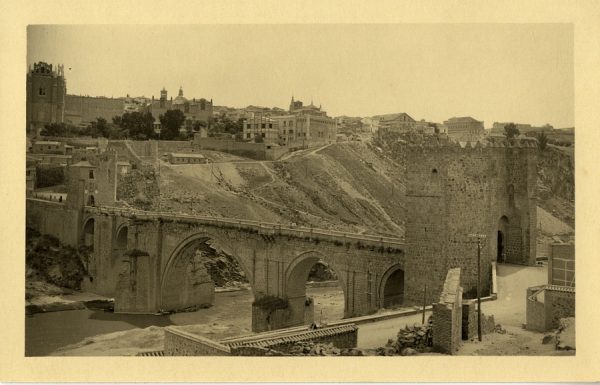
(46, 332)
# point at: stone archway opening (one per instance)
(120, 244)
(199, 276)
(502, 239)
(392, 288)
(91, 201)
(314, 291)
(87, 237)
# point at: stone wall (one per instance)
(53, 218)
(180, 343)
(453, 192)
(258, 151)
(547, 304)
(284, 340)
(447, 315)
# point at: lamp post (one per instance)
(479, 237)
(157, 131)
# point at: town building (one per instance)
(30, 175)
(262, 127)
(194, 110)
(465, 128)
(397, 123)
(349, 124)
(45, 96)
(180, 158)
(305, 126)
(51, 147)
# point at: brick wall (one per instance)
(447, 315)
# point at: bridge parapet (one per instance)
(264, 228)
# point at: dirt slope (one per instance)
(346, 186)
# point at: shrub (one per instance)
(270, 302)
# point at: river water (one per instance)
(46, 332)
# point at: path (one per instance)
(508, 309)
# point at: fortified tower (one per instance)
(46, 90)
(453, 192)
(94, 182)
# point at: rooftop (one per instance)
(182, 155)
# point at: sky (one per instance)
(493, 72)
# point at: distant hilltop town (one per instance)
(299, 126)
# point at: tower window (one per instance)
(91, 175)
(42, 91)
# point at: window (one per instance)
(248, 136)
(42, 91)
(91, 174)
(262, 125)
(263, 134)
(270, 125)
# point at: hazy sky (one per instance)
(493, 72)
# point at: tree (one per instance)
(137, 125)
(171, 121)
(542, 140)
(511, 131)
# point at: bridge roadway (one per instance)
(266, 228)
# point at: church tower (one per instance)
(163, 98)
(46, 91)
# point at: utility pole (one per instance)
(478, 236)
(424, 304)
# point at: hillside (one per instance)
(343, 186)
(350, 186)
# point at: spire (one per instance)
(180, 91)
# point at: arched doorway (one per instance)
(392, 288)
(501, 240)
(87, 238)
(314, 290)
(198, 275)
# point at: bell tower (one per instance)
(163, 98)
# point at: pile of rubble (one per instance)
(309, 348)
(410, 341)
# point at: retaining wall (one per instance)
(447, 315)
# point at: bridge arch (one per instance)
(184, 281)
(295, 282)
(391, 287)
(120, 246)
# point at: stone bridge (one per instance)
(148, 262)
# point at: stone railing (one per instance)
(265, 228)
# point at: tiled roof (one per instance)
(462, 119)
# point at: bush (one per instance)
(270, 302)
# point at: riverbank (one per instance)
(43, 297)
